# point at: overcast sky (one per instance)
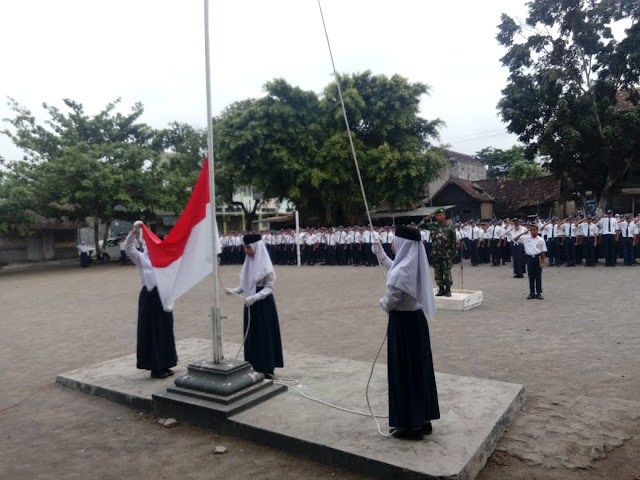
(152, 51)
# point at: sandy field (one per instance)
(576, 352)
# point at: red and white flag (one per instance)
(183, 258)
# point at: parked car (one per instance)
(111, 251)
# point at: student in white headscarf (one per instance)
(156, 345)
(262, 345)
(413, 397)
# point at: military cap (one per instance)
(440, 210)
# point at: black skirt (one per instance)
(413, 397)
(156, 348)
(263, 346)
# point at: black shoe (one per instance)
(406, 434)
(169, 372)
(518, 276)
(539, 296)
(159, 374)
(427, 428)
(531, 295)
(440, 292)
(447, 292)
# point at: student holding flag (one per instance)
(262, 344)
(169, 267)
(156, 346)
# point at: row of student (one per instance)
(325, 246)
(571, 240)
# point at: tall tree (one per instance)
(15, 198)
(80, 166)
(510, 163)
(567, 70)
(292, 144)
(176, 170)
(499, 161)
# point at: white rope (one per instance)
(317, 400)
(367, 391)
(346, 121)
(364, 195)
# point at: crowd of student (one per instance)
(570, 241)
(324, 246)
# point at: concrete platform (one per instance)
(474, 413)
(459, 300)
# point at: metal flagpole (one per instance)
(216, 324)
(214, 386)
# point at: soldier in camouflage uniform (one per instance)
(443, 238)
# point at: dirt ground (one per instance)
(576, 353)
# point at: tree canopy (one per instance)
(293, 144)
(80, 166)
(510, 163)
(289, 144)
(567, 73)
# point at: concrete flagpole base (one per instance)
(218, 389)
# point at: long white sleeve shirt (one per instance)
(141, 261)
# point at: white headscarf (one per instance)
(410, 273)
(255, 268)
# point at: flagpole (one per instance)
(216, 324)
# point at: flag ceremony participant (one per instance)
(518, 249)
(413, 397)
(444, 240)
(534, 250)
(156, 346)
(262, 345)
(609, 226)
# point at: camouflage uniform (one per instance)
(443, 238)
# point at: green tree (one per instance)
(524, 169)
(292, 144)
(565, 70)
(510, 163)
(268, 143)
(15, 198)
(175, 172)
(499, 161)
(80, 166)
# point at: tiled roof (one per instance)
(473, 189)
(516, 194)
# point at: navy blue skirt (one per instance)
(156, 349)
(263, 346)
(413, 397)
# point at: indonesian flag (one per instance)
(184, 258)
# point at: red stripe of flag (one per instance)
(164, 252)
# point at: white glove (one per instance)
(249, 301)
(383, 305)
(376, 247)
(229, 291)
